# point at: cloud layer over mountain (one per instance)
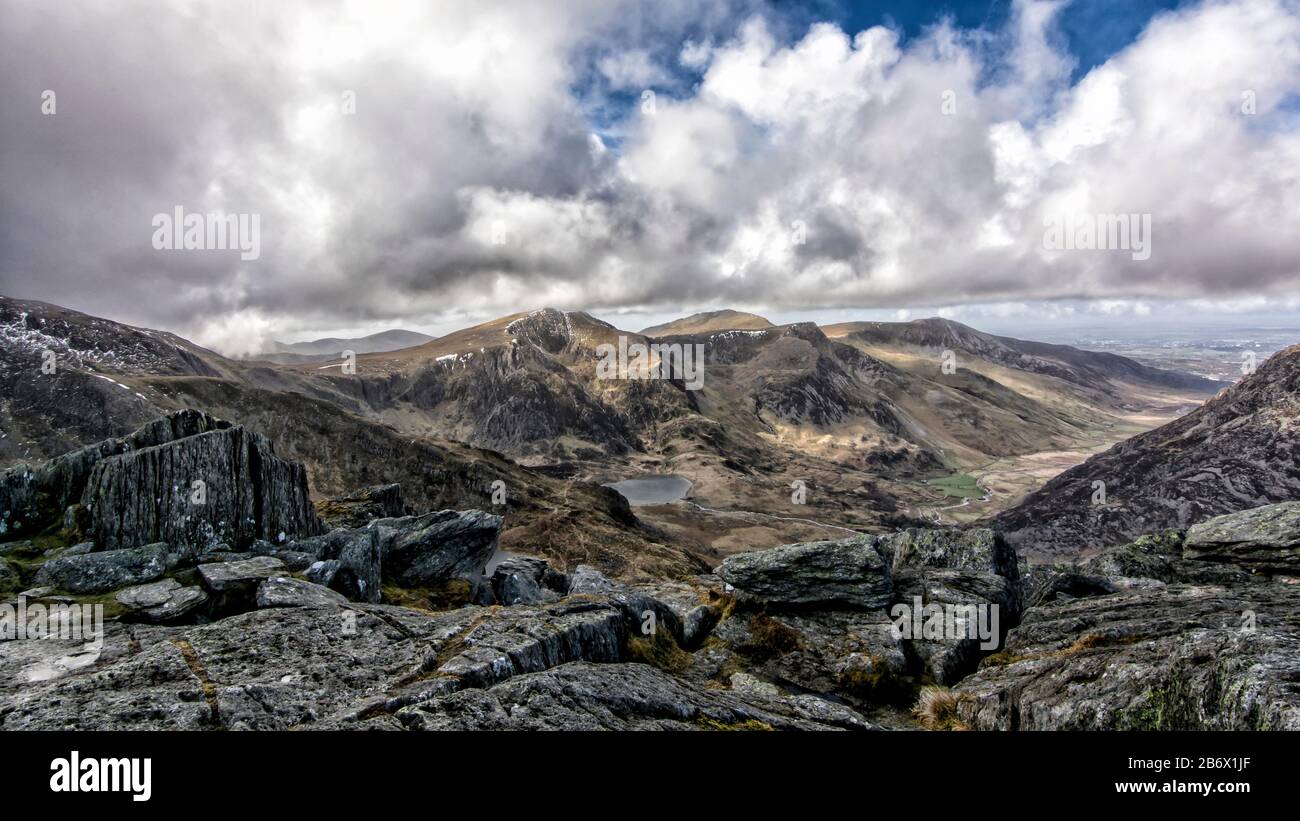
(615, 155)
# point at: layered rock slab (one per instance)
(1265, 539)
(1181, 657)
(849, 572)
(222, 486)
(584, 696)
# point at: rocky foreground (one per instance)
(258, 610)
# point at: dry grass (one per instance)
(1091, 641)
(769, 638)
(936, 709)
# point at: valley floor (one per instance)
(724, 514)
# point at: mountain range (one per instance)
(318, 350)
(880, 424)
(450, 499)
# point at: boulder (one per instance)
(951, 618)
(16, 548)
(105, 570)
(1264, 539)
(850, 572)
(359, 508)
(293, 559)
(162, 601)
(526, 579)
(234, 585)
(422, 551)
(853, 654)
(349, 561)
(281, 591)
(75, 550)
(246, 493)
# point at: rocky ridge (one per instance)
(1240, 450)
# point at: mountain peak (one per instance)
(708, 321)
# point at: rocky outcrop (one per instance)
(106, 570)
(852, 654)
(1158, 558)
(559, 665)
(953, 618)
(643, 613)
(1266, 539)
(956, 592)
(1183, 657)
(1153, 635)
(525, 640)
(1150, 635)
(1238, 451)
(977, 549)
(939, 600)
(425, 551)
(223, 486)
(849, 572)
(358, 509)
(584, 696)
(32, 499)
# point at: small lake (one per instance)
(652, 490)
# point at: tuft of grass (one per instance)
(1089, 641)
(769, 638)
(447, 596)
(725, 603)
(877, 684)
(936, 708)
(751, 725)
(659, 650)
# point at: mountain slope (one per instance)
(1239, 450)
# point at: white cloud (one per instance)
(921, 170)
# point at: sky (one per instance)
(430, 165)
